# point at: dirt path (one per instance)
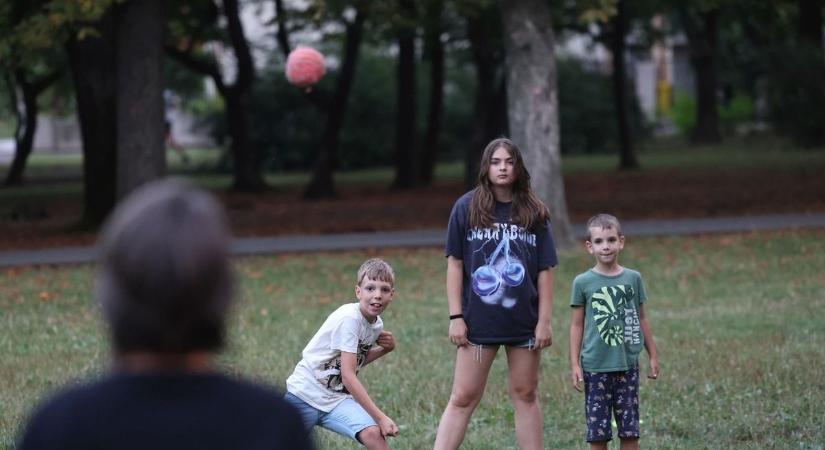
(664, 194)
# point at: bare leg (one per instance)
(372, 439)
(602, 445)
(629, 444)
(523, 381)
(468, 387)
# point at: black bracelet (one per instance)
(456, 316)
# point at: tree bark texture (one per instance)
(140, 111)
(321, 184)
(435, 53)
(810, 22)
(702, 30)
(406, 160)
(92, 62)
(246, 164)
(26, 121)
(532, 104)
(627, 154)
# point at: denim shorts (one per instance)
(616, 392)
(347, 419)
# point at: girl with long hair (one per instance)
(500, 259)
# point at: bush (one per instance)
(796, 93)
(738, 110)
(587, 114)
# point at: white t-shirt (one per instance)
(317, 377)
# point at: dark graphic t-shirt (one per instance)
(612, 336)
(501, 267)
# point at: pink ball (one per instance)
(304, 66)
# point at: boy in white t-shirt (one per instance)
(324, 386)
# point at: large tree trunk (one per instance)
(26, 121)
(322, 185)
(92, 61)
(490, 103)
(627, 154)
(702, 33)
(532, 104)
(435, 53)
(406, 161)
(810, 22)
(141, 155)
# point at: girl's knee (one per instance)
(524, 392)
(465, 399)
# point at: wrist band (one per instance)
(456, 316)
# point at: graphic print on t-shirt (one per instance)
(330, 373)
(502, 268)
(615, 315)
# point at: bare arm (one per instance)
(576, 332)
(544, 327)
(386, 342)
(349, 364)
(650, 345)
(455, 281)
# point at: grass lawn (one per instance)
(737, 318)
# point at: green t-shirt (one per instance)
(612, 333)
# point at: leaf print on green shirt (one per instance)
(608, 312)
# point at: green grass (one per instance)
(737, 318)
(762, 151)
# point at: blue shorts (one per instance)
(611, 391)
(347, 419)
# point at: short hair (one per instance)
(376, 269)
(603, 221)
(164, 279)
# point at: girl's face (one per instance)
(502, 171)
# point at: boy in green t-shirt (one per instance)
(608, 329)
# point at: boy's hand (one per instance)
(653, 370)
(544, 336)
(386, 340)
(388, 427)
(578, 377)
(458, 332)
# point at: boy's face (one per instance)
(373, 297)
(605, 244)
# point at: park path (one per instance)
(431, 238)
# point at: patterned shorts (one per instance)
(611, 391)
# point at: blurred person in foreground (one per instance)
(165, 287)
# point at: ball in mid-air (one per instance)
(304, 67)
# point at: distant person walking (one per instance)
(164, 285)
(169, 139)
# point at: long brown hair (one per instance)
(527, 209)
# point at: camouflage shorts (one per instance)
(611, 391)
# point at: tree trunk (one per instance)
(702, 36)
(435, 52)
(141, 155)
(26, 126)
(532, 104)
(627, 154)
(490, 103)
(27, 121)
(246, 155)
(810, 22)
(321, 184)
(406, 161)
(92, 62)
